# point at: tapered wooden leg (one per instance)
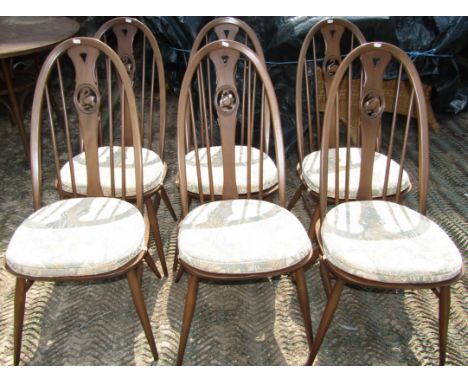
(139, 272)
(444, 310)
(313, 221)
(168, 204)
(327, 316)
(176, 257)
(303, 298)
(149, 260)
(190, 300)
(141, 310)
(157, 236)
(325, 279)
(20, 300)
(179, 274)
(295, 198)
(157, 201)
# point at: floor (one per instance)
(255, 323)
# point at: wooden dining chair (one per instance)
(139, 51)
(236, 30)
(322, 52)
(381, 243)
(86, 235)
(228, 238)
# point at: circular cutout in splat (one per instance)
(330, 66)
(226, 100)
(129, 63)
(372, 104)
(87, 98)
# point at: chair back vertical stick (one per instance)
(67, 129)
(111, 126)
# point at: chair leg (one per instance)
(303, 298)
(157, 236)
(190, 300)
(295, 198)
(149, 260)
(179, 274)
(444, 311)
(176, 257)
(139, 302)
(327, 316)
(325, 279)
(168, 204)
(20, 300)
(157, 201)
(139, 272)
(313, 221)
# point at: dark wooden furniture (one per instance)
(139, 51)
(236, 30)
(25, 35)
(321, 55)
(381, 243)
(233, 238)
(82, 239)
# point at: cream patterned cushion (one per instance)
(311, 173)
(242, 236)
(388, 242)
(77, 237)
(270, 173)
(153, 170)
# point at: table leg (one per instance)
(14, 104)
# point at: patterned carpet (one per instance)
(234, 324)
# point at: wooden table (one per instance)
(24, 35)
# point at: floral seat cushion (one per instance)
(242, 236)
(153, 171)
(311, 173)
(270, 173)
(388, 242)
(77, 237)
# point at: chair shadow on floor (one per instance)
(94, 323)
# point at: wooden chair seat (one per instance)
(269, 172)
(388, 242)
(153, 172)
(77, 237)
(311, 173)
(244, 236)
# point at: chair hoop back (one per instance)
(315, 80)
(88, 101)
(376, 60)
(141, 70)
(221, 109)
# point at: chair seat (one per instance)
(242, 237)
(388, 242)
(153, 171)
(270, 173)
(77, 237)
(311, 173)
